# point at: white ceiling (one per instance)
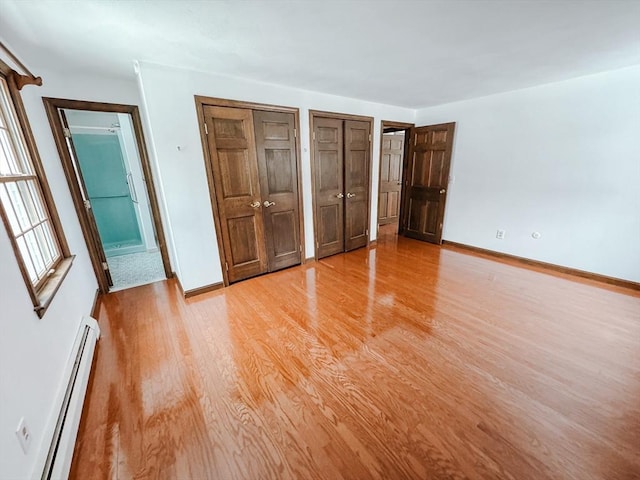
(406, 53)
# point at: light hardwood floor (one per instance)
(405, 360)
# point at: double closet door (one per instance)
(254, 168)
(342, 158)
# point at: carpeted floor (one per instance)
(135, 269)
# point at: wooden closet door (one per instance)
(329, 193)
(277, 167)
(232, 150)
(356, 183)
(427, 179)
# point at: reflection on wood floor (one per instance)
(405, 360)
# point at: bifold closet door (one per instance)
(232, 150)
(341, 157)
(277, 168)
(329, 173)
(356, 183)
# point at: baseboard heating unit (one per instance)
(58, 462)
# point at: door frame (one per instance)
(407, 127)
(341, 116)
(201, 102)
(52, 105)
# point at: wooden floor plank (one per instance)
(403, 360)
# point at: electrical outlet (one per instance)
(500, 234)
(24, 435)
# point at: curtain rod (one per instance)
(15, 59)
(21, 80)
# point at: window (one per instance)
(38, 245)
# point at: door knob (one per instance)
(339, 195)
(350, 195)
(442, 191)
(255, 204)
(268, 204)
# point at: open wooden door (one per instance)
(426, 181)
(356, 183)
(232, 150)
(277, 167)
(94, 241)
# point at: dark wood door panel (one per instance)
(356, 228)
(356, 182)
(232, 150)
(329, 185)
(244, 249)
(330, 234)
(277, 166)
(427, 178)
(284, 247)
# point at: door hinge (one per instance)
(300, 248)
(314, 136)
(295, 133)
(369, 137)
(105, 266)
(66, 132)
(206, 129)
(318, 245)
(367, 233)
(87, 204)
(226, 266)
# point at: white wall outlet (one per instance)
(536, 235)
(500, 234)
(24, 435)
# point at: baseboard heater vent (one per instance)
(60, 454)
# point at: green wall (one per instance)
(103, 170)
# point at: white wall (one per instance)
(562, 159)
(168, 94)
(33, 351)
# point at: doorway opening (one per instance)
(394, 151)
(414, 178)
(393, 155)
(107, 169)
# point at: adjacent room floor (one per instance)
(135, 269)
(405, 360)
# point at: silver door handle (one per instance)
(132, 188)
(350, 195)
(268, 204)
(340, 195)
(255, 204)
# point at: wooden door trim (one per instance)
(341, 116)
(201, 102)
(392, 124)
(407, 136)
(51, 106)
